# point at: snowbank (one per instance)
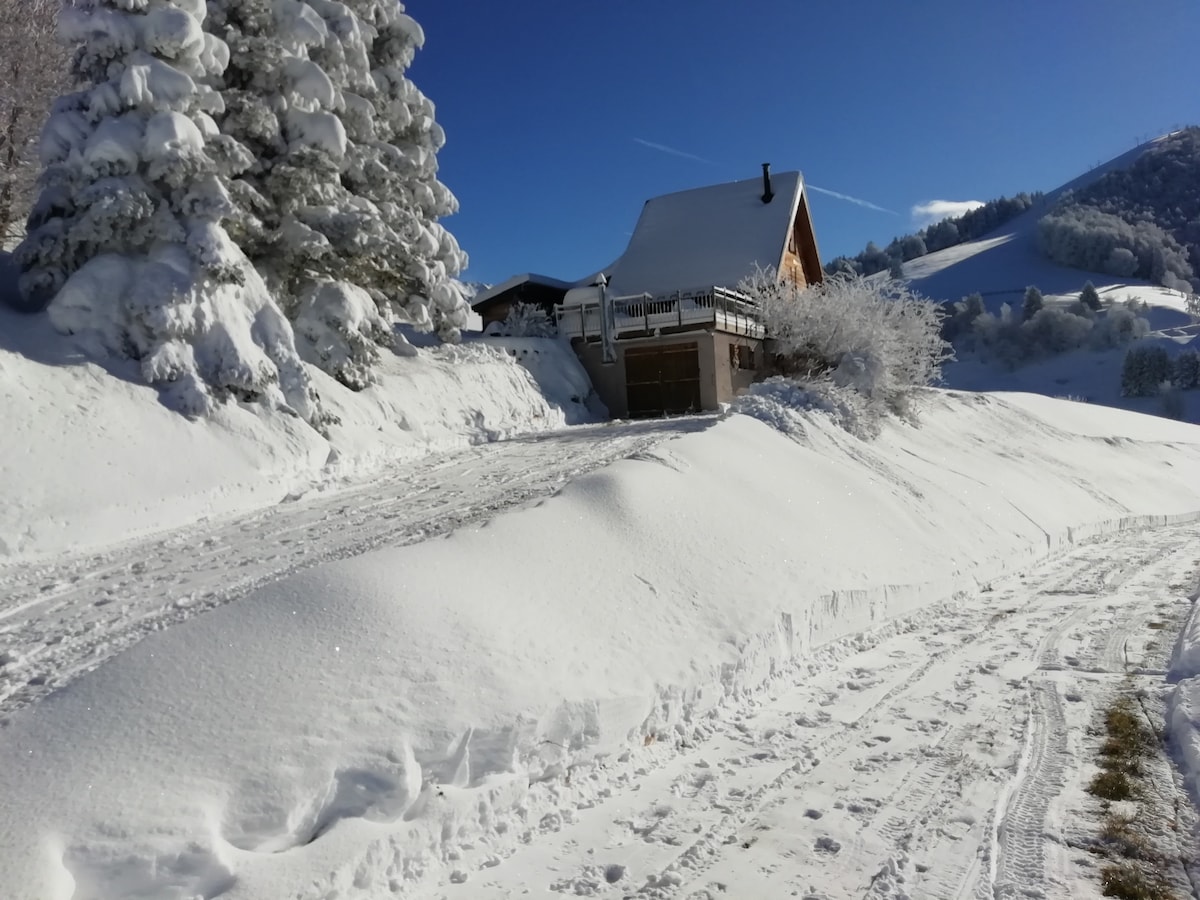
(1183, 706)
(89, 456)
(356, 728)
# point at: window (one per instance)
(741, 357)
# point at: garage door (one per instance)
(662, 380)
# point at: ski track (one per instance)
(929, 760)
(61, 618)
(937, 757)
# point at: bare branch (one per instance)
(33, 72)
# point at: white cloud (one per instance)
(935, 210)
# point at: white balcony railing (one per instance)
(717, 307)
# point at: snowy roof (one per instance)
(496, 290)
(708, 236)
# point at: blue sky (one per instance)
(563, 116)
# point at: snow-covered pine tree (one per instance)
(125, 245)
(341, 207)
(1186, 370)
(282, 105)
(401, 254)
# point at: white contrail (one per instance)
(855, 200)
(663, 148)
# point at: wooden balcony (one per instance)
(642, 314)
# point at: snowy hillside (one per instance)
(125, 464)
(733, 658)
(1002, 264)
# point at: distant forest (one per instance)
(946, 233)
(1143, 221)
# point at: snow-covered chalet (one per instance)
(683, 338)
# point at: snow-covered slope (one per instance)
(1002, 264)
(89, 456)
(413, 715)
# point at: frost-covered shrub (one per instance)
(874, 336)
(1186, 372)
(1050, 332)
(782, 403)
(1145, 370)
(1118, 326)
(527, 320)
(1090, 297)
(1003, 338)
(126, 244)
(1086, 238)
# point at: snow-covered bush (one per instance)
(1145, 370)
(1090, 297)
(782, 404)
(1118, 326)
(1004, 338)
(1086, 238)
(125, 244)
(872, 335)
(525, 320)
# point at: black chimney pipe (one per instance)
(767, 192)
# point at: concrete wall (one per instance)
(609, 381)
(730, 381)
(719, 381)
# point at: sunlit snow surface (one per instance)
(625, 680)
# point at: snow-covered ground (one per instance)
(729, 662)
(89, 455)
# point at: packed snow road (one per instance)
(61, 618)
(944, 757)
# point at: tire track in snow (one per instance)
(949, 720)
(62, 618)
(1021, 833)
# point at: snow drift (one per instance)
(368, 724)
(89, 456)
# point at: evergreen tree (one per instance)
(340, 210)
(1186, 374)
(125, 244)
(1032, 304)
(389, 242)
(1144, 371)
(1089, 297)
(281, 104)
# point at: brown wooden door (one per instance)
(662, 380)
